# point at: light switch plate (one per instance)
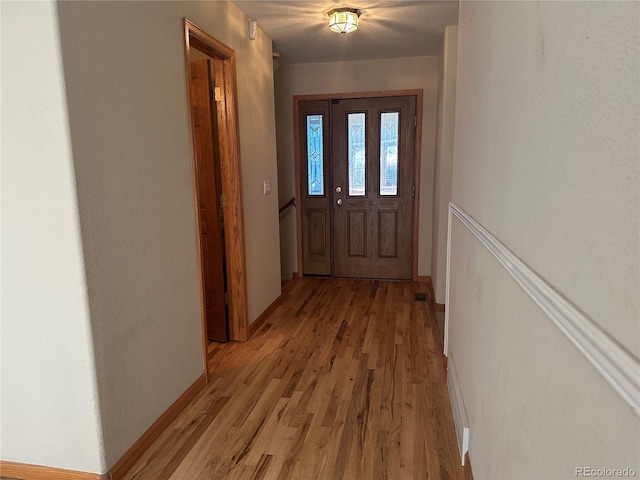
(267, 187)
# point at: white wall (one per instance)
(124, 67)
(447, 69)
(546, 159)
(49, 412)
(345, 77)
(126, 137)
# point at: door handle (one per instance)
(339, 201)
(338, 189)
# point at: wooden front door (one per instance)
(357, 202)
(210, 210)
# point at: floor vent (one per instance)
(420, 297)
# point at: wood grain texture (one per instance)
(297, 158)
(343, 381)
(188, 28)
(372, 249)
(356, 233)
(298, 107)
(234, 213)
(229, 148)
(348, 95)
(416, 175)
(264, 316)
(315, 210)
(25, 471)
(208, 187)
(388, 233)
(317, 231)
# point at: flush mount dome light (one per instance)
(343, 20)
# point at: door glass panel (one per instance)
(315, 155)
(389, 134)
(356, 125)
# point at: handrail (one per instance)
(288, 204)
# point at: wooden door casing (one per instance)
(372, 233)
(208, 191)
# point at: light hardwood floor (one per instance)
(345, 380)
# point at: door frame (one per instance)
(229, 141)
(297, 143)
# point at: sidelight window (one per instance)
(315, 155)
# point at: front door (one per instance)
(358, 169)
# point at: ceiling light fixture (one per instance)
(343, 20)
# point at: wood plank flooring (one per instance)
(345, 380)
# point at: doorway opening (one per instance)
(358, 169)
(213, 126)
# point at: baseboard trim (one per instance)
(25, 471)
(259, 322)
(144, 442)
(612, 360)
(257, 325)
(459, 413)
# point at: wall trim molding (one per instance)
(25, 471)
(613, 361)
(132, 455)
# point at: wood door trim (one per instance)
(195, 37)
(297, 160)
(297, 99)
(417, 146)
(352, 95)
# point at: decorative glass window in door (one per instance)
(356, 125)
(315, 155)
(389, 153)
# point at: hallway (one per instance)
(345, 380)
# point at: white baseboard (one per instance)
(457, 406)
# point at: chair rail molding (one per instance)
(613, 361)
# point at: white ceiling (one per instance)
(387, 29)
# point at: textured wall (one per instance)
(49, 414)
(447, 69)
(127, 97)
(546, 159)
(362, 76)
(122, 250)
